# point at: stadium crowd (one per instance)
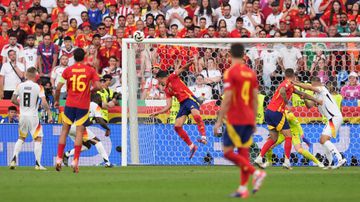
(44, 33)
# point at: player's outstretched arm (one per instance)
(185, 67)
(305, 86)
(224, 108)
(46, 106)
(163, 110)
(308, 97)
(58, 91)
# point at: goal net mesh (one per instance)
(153, 141)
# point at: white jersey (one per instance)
(329, 108)
(94, 110)
(29, 92)
(30, 56)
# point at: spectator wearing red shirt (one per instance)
(24, 24)
(13, 9)
(236, 33)
(330, 17)
(299, 16)
(59, 9)
(105, 52)
(191, 8)
(326, 5)
(126, 8)
(4, 37)
(109, 26)
(84, 40)
(188, 22)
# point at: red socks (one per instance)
(200, 124)
(60, 151)
(77, 152)
(240, 160)
(287, 147)
(244, 175)
(182, 133)
(268, 144)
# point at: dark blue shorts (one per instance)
(187, 105)
(276, 120)
(73, 115)
(238, 135)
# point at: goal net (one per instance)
(153, 141)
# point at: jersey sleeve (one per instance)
(95, 110)
(42, 92)
(16, 91)
(64, 76)
(95, 76)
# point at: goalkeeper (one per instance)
(297, 133)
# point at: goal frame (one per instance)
(129, 97)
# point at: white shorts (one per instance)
(332, 127)
(30, 124)
(88, 134)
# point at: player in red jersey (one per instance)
(79, 77)
(189, 104)
(276, 119)
(239, 107)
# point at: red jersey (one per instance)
(105, 54)
(241, 80)
(78, 80)
(176, 87)
(277, 103)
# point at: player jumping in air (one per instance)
(297, 134)
(331, 111)
(89, 137)
(276, 119)
(189, 104)
(78, 79)
(29, 92)
(240, 108)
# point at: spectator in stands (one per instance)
(152, 87)
(270, 59)
(351, 90)
(11, 74)
(320, 69)
(229, 19)
(74, 10)
(176, 15)
(212, 77)
(95, 16)
(36, 9)
(105, 52)
(154, 8)
(68, 50)
(205, 11)
(201, 91)
(56, 75)
(91, 57)
(343, 26)
(291, 57)
(330, 17)
(191, 8)
(12, 45)
(115, 71)
(12, 116)
(251, 19)
(30, 52)
(47, 57)
(274, 18)
(17, 31)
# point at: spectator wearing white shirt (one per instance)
(48, 4)
(115, 72)
(13, 45)
(201, 91)
(274, 18)
(152, 87)
(56, 75)
(205, 11)
(212, 77)
(30, 52)
(74, 10)
(291, 57)
(236, 7)
(68, 50)
(251, 19)
(229, 19)
(176, 15)
(11, 74)
(270, 59)
(154, 9)
(126, 8)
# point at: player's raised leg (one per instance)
(200, 124)
(178, 127)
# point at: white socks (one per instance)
(100, 148)
(332, 149)
(17, 149)
(37, 152)
(72, 152)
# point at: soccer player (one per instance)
(297, 133)
(239, 106)
(189, 104)
(28, 92)
(89, 137)
(332, 112)
(78, 79)
(276, 119)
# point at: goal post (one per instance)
(139, 133)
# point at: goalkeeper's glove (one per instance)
(304, 139)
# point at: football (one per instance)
(139, 36)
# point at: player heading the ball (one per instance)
(239, 108)
(78, 78)
(189, 104)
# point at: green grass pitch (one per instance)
(184, 183)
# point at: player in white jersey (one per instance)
(331, 111)
(30, 52)
(28, 93)
(89, 137)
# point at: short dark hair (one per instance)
(237, 50)
(79, 54)
(315, 79)
(12, 35)
(113, 57)
(158, 16)
(174, 25)
(46, 34)
(12, 108)
(162, 74)
(10, 52)
(239, 19)
(67, 38)
(96, 36)
(289, 73)
(187, 18)
(31, 70)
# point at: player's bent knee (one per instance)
(87, 144)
